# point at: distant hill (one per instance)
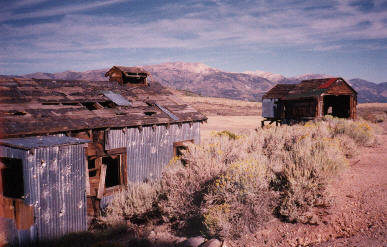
(207, 81)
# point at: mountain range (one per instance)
(207, 81)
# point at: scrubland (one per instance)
(278, 186)
(235, 183)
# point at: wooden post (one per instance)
(101, 186)
(320, 103)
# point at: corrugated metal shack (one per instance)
(289, 103)
(67, 146)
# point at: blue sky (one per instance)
(342, 38)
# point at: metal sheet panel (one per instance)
(268, 108)
(54, 183)
(117, 98)
(41, 141)
(60, 198)
(149, 150)
(170, 114)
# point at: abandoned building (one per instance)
(290, 103)
(67, 146)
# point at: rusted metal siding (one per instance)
(149, 150)
(54, 183)
(58, 190)
(13, 235)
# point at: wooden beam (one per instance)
(101, 186)
(87, 174)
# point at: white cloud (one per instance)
(251, 25)
(9, 14)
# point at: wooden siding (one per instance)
(340, 87)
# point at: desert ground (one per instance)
(359, 214)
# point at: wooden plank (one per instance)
(87, 174)
(24, 215)
(124, 174)
(101, 187)
(6, 208)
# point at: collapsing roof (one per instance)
(129, 71)
(305, 89)
(40, 106)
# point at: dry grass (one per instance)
(223, 107)
(233, 124)
(240, 178)
(373, 112)
(134, 204)
(235, 183)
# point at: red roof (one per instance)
(328, 83)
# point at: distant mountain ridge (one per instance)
(207, 81)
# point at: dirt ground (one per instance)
(358, 216)
(231, 123)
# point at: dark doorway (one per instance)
(12, 177)
(113, 176)
(337, 106)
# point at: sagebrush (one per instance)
(236, 183)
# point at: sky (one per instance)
(345, 38)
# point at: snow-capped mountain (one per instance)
(207, 81)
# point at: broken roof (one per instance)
(129, 70)
(304, 89)
(40, 106)
(278, 91)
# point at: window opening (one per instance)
(12, 177)
(179, 148)
(113, 176)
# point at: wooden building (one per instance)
(131, 76)
(288, 103)
(67, 146)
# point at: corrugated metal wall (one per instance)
(54, 182)
(149, 150)
(12, 234)
(58, 190)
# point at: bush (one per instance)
(238, 201)
(231, 185)
(134, 204)
(307, 170)
(360, 131)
